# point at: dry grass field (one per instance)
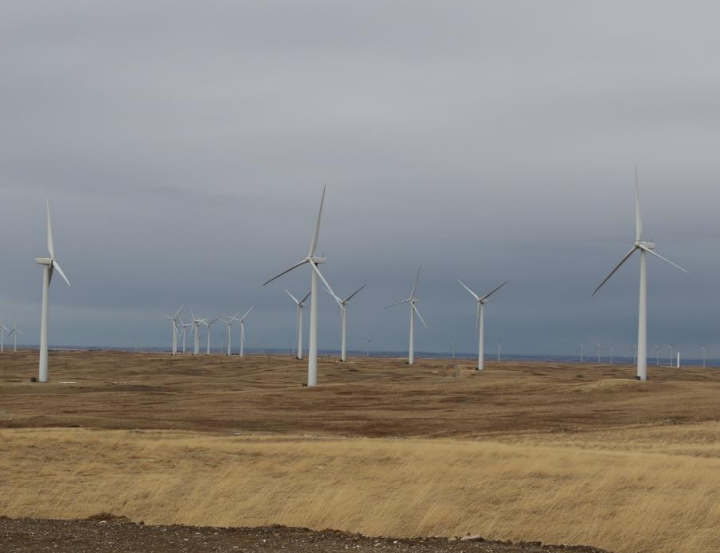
(571, 454)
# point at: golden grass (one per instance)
(627, 490)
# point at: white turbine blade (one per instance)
(302, 301)
(417, 279)
(192, 314)
(474, 295)
(396, 303)
(293, 297)
(496, 289)
(638, 216)
(216, 319)
(615, 270)
(59, 270)
(50, 242)
(178, 311)
(316, 234)
(246, 314)
(325, 282)
(664, 259)
(337, 300)
(286, 272)
(169, 317)
(351, 296)
(418, 314)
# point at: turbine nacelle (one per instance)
(44, 261)
(647, 246)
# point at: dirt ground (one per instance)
(369, 397)
(106, 534)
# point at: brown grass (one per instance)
(562, 454)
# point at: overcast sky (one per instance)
(184, 146)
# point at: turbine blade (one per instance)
(192, 314)
(325, 282)
(615, 270)
(664, 259)
(418, 314)
(302, 301)
(351, 296)
(59, 270)
(50, 242)
(286, 272)
(337, 300)
(638, 215)
(316, 234)
(396, 303)
(417, 279)
(293, 297)
(496, 289)
(474, 295)
(216, 319)
(178, 311)
(246, 314)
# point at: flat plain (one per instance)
(576, 454)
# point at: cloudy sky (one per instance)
(184, 146)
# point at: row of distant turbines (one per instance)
(50, 265)
(180, 332)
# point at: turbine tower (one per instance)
(2, 336)
(644, 248)
(196, 330)
(175, 319)
(209, 327)
(49, 264)
(299, 321)
(343, 319)
(229, 322)
(184, 326)
(241, 320)
(480, 321)
(312, 260)
(413, 311)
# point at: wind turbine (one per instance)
(175, 319)
(644, 248)
(611, 350)
(704, 350)
(14, 332)
(670, 355)
(184, 326)
(413, 311)
(581, 351)
(229, 322)
(312, 260)
(657, 355)
(299, 321)
(343, 319)
(241, 320)
(2, 337)
(49, 266)
(499, 349)
(367, 348)
(599, 353)
(209, 327)
(196, 330)
(480, 321)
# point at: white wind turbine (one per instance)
(176, 330)
(183, 333)
(413, 311)
(480, 321)
(229, 322)
(343, 319)
(313, 261)
(49, 266)
(14, 333)
(299, 321)
(241, 320)
(209, 328)
(644, 248)
(2, 336)
(196, 330)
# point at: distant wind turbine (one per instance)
(196, 331)
(2, 337)
(209, 328)
(299, 321)
(644, 248)
(343, 319)
(183, 333)
(480, 321)
(581, 352)
(704, 350)
(312, 260)
(229, 322)
(413, 311)
(175, 319)
(241, 320)
(50, 265)
(14, 333)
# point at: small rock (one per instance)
(473, 538)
